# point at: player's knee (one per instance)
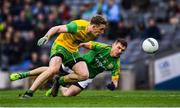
(65, 94)
(85, 76)
(54, 70)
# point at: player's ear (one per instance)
(93, 26)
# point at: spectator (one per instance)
(126, 4)
(6, 48)
(5, 11)
(22, 23)
(17, 7)
(35, 62)
(52, 2)
(173, 8)
(64, 13)
(31, 44)
(152, 30)
(52, 19)
(132, 31)
(141, 28)
(18, 48)
(142, 4)
(121, 31)
(88, 11)
(98, 7)
(174, 20)
(39, 8)
(44, 59)
(112, 11)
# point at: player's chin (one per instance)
(117, 55)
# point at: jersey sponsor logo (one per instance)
(102, 62)
(99, 63)
(110, 66)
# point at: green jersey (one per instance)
(98, 60)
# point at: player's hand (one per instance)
(81, 45)
(111, 86)
(86, 45)
(42, 41)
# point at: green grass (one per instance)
(95, 98)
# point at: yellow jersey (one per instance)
(77, 33)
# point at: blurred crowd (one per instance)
(23, 22)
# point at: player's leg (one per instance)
(81, 69)
(70, 91)
(80, 73)
(53, 69)
(54, 66)
(63, 71)
(73, 90)
(75, 62)
(66, 91)
(37, 71)
(21, 75)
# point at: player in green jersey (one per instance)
(101, 57)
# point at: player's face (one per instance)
(117, 49)
(98, 29)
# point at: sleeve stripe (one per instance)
(115, 77)
(91, 45)
(72, 27)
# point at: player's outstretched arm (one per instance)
(86, 45)
(51, 32)
(115, 76)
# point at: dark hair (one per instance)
(122, 41)
(98, 19)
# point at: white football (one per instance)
(150, 45)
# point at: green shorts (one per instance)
(68, 58)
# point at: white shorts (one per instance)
(85, 83)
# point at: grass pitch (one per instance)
(94, 99)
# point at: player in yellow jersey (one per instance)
(65, 50)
